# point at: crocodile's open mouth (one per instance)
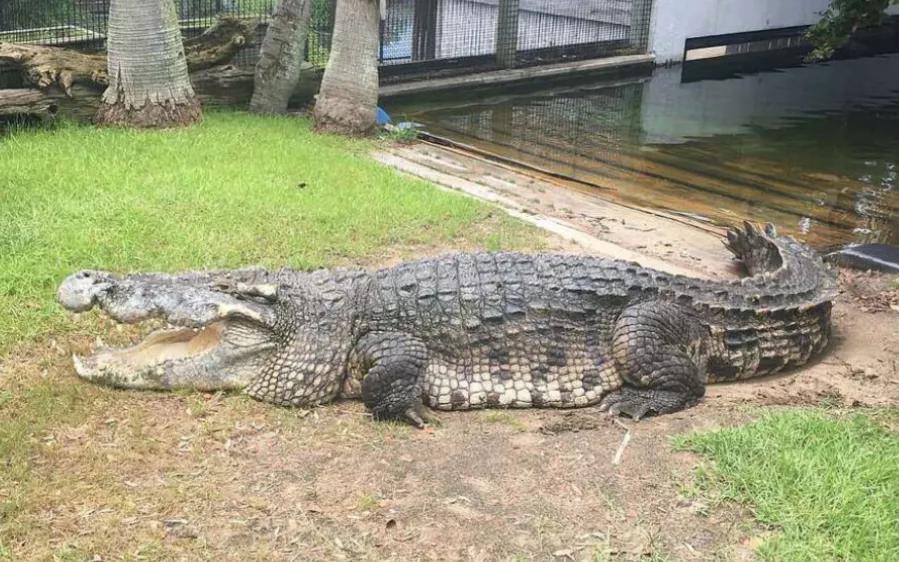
(214, 339)
(174, 344)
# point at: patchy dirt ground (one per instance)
(117, 475)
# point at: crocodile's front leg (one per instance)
(654, 348)
(393, 365)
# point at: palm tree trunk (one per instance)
(149, 85)
(278, 69)
(348, 98)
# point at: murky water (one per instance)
(813, 149)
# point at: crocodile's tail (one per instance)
(782, 262)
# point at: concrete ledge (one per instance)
(584, 220)
(496, 77)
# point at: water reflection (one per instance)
(813, 149)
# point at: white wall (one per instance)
(673, 21)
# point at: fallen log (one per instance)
(219, 43)
(27, 101)
(46, 67)
(224, 85)
(80, 104)
(233, 86)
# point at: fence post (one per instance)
(507, 33)
(424, 29)
(641, 15)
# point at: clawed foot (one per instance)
(421, 418)
(418, 417)
(617, 404)
(412, 417)
(742, 241)
(754, 247)
(639, 403)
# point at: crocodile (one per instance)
(468, 331)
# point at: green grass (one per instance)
(236, 191)
(828, 486)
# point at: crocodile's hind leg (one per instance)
(654, 348)
(393, 365)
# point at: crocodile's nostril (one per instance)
(79, 291)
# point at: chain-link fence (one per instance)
(418, 36)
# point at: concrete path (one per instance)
(576, 213)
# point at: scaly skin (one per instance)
(471, 330)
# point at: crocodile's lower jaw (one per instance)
(161, 346)
(169, 354)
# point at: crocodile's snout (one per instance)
(79, 291)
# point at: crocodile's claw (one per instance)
(412, 417)
(637, 403)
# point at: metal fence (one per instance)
(53, 22)
(81, 24)
(520, 32)
(418, 36)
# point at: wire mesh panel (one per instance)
(571, 24)
(465, 29)
(321, 28)
(54, 22)
(82, 23)
(522, 31)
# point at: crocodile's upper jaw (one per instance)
(213, 341)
